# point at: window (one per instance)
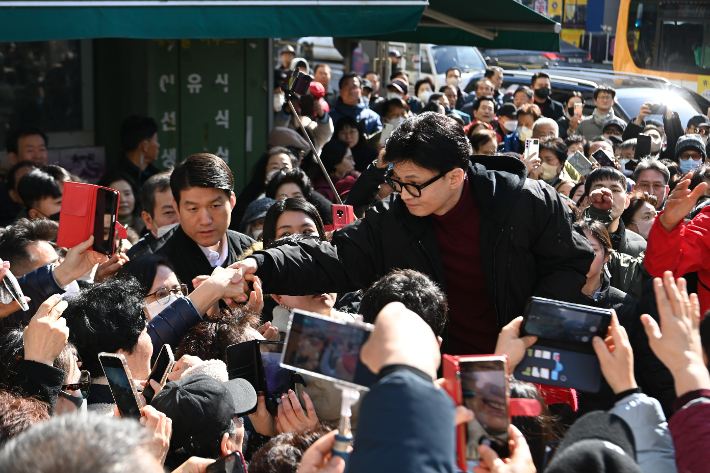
(466, 58)
(424, 64)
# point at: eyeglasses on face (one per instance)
(163, 293)
(83, 385)
(645, 186)
(415, 190)
(691, 155)
(701, 131)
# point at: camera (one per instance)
(296, 82)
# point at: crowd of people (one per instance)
(456, 227)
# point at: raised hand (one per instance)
(680, 202)
(47, 333)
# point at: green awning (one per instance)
(42, 20)
(495, 24)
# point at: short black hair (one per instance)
(297, 176)
(41, 183)
(289, 205)
(201, 170)
(421, 82)
(572, 139)
(16, 237)
(105, 317)
(319, 65)
(398, 72)
(477, 103)
(135, 129)
(602, 174)
(144, 269)
(436, 96)
(539, 75)
(12, 140)
(600, 138)
(604, 88)
(434, 106)
(528, 91)
(557, 146)
(349, 75)
(415, 290)
(452, 69)
(491, 71)
(12, 172)
(429, 140)
(157, 183)
(349, 121)
(333, 153)
(392, 103)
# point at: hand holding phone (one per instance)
(123, 388)
(643, 147)
(161, 369)
(580, 163)
(578, 108)
(603, 157)
(232, 463)
(11, 296)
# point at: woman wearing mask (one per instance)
(339, 164)
(295, 183)
(553, 156)
(348, 130)
(597, 292)
(161, 284)
(424, 88)
(569, 118)
(272, 161)
(641, 213)
(527, 115)
(253, 223)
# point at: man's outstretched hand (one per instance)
(680, 202)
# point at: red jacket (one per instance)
(690, 429)
(684, 250)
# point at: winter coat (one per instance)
(360, 112)
(690, 429)
(528, 245)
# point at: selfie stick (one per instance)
(313, 148)
(344, 437)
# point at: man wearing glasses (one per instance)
(487, 235)
(652, 176)
(593, 125)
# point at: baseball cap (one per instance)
(597, 442)
(366, 84)
(698, 121)
(202, 408)
(614, 122)
(394, 53)
(508, 110)
(287, 49)
(399, 85)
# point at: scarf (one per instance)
(600, 119)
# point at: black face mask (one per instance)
(542, 92)
(54, 217)
(570, 110)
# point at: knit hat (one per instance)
(690, 142)
(399, 85)
(286, 137)
(598, 442)
(257, 209)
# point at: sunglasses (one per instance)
(83, 385)
(163, 293)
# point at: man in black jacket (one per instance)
(487, 235)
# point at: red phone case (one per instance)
(76, 217)
(342, 215)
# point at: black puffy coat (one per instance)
(528, 245)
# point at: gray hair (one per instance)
(654, 165)
(546, 121)
(90, 444)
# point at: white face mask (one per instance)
(425, 95)
(656, 145)
(279, 101)
(510, 125)
(393, 95)
(622, 163)
(155, 307)
(255, 234)
(395, 122)
(550, 172)
(525, 133)
(453, 81)
(644, 227)
(165, 229)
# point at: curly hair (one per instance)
(282, 454)
(18, 413)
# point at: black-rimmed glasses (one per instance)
(163, 293)
(414, 189)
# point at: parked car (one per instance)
(436, 60)
(513, 58)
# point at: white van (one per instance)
(435, 60)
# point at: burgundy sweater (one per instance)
(473, 326)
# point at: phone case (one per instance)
(77, 215)
(563, 368)
(603, 158)
(122, 358)
(232, 463)
(580, 163)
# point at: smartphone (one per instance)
(232, 463)
(105, 220)
(563, 355)
(479, 382)
(120, 381)
(11, 291)
(578, 108)
(161, 369)
(307, 105)
(89, 210)
(387, 130)
(327, 348)
(603, 158)
(657, 108)
(296, 82)
(643, 147)
(532, 146)
(580, 163)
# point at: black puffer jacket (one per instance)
(528, 245)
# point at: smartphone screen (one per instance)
(569, 322)
(121, 384)
(643, 147)
(578, 107)
(10, 290)
(485, 391)
(232, 463)
(327, 349)
(278, 379)
(532, 146)
(105, 221)
(161, 369)
(603, 158)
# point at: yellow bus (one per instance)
(666, 38)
